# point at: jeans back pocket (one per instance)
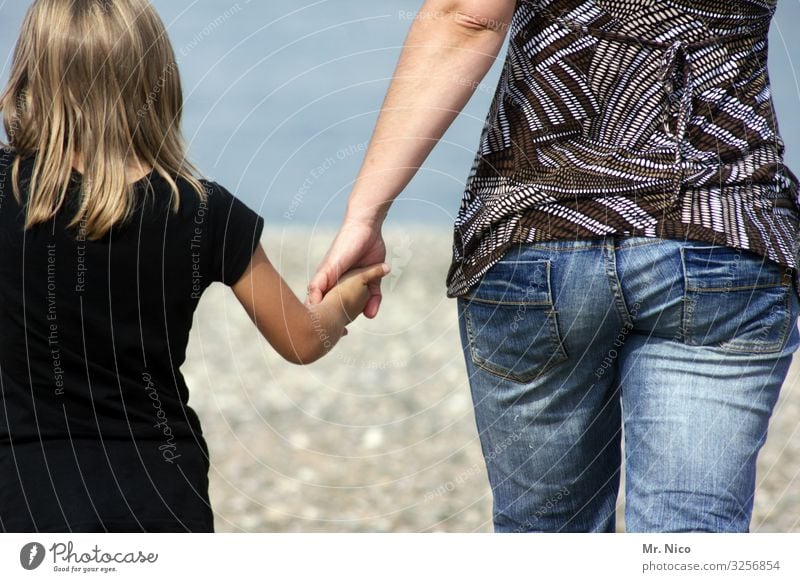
(511, 321)
(735, 300)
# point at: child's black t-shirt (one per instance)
(95, 428)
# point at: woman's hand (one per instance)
(358, 244)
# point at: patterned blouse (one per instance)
(633, 118)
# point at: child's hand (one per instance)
(350, 295)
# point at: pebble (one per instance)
(373, 438)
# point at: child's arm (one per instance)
(301, 333)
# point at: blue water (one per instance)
(282, 96)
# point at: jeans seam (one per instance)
(542, 246)
(614, 283)
(651, 241)
(737, 288)
(684, 329)
(562, 249)
(471, 299)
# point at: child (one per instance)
(108, 242)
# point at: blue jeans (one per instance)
(683, 344)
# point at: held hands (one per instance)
(349, 297)
(358, 244)
(347, 283)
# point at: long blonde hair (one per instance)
(96, 79)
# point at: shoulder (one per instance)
(211, 202)
(215, 200)
(219, 198)
(227, 214)
(161, 189)
(235, 231)
(215, 189)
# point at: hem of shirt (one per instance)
(458, 279)
(122, 526)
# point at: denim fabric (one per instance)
(683, 344)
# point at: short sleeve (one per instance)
(236, 233)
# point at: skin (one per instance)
(302, 333)
(451, 46)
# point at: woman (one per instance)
(625, 253)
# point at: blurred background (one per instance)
(281, 99)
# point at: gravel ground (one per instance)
(379, 436)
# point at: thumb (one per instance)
(320, 284)
(314, 295)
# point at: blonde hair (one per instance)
(98, 79)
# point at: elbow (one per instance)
(308, 349)
(303, 357)
(476, 23)
(311, 341)
(475, 17)
(294, 358)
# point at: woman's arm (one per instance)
(450, 48)
(301, 334)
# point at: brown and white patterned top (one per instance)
(631, 117)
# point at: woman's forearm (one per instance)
(450, 48)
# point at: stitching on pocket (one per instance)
(555, 345)
(693, 295)
(556, 358)
(761, 347)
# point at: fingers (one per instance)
(374, 273)
(314, 295)
(372, 278)
(374, 302)
(322, 283)
(318, 286)
(373, 307)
